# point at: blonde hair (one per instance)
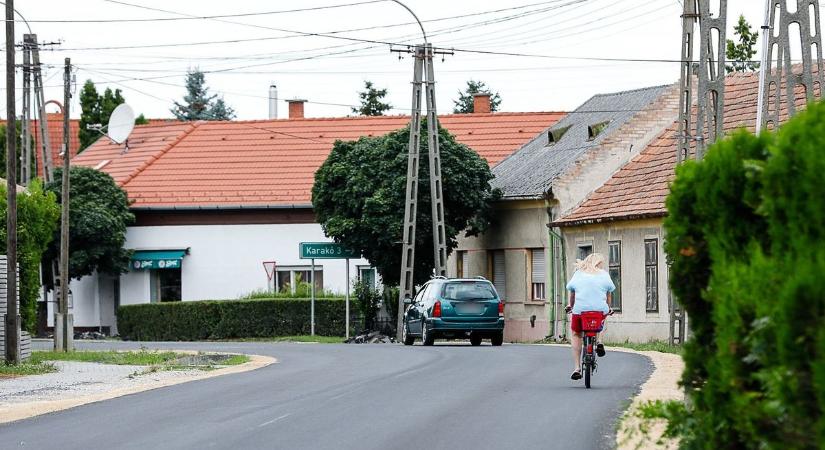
(591, 263)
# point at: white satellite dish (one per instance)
(121, 123)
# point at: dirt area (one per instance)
(637, 434)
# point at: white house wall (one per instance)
(225, 262)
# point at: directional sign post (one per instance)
(326, 250)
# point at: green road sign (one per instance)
(326, 250)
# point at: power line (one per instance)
(219, 16)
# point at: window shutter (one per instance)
(539, 266)
(499, 273)
(465, 268)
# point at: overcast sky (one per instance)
(328, 72)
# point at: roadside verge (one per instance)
(18, 411)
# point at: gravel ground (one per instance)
(76, 379)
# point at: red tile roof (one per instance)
(270, 162)
(639, 189)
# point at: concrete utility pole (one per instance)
(25, 154)
(777, 68)
(63, 323)
(710, 92)
(40, 105)
(422, 68)
(12, 319)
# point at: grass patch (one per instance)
(653, 346)
(139, 358)
(26, 368)
(235, 360)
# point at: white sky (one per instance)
(627, 29)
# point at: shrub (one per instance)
(228, 319)
(746, 240)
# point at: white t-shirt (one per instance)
(591, 291)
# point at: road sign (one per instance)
(326, 250)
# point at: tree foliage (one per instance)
(359, 194)
(746, 244)
(741, 53)
(198, 103)
(37, 219)
(98, 216)
(464, 104)
(372, 101)
(18, 148)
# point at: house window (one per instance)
(462, 268)
(296, 279)
(538, 274)
(583, 251)
(498, 272)
(366, 274)
(652, 274)
(164, 285)
(614, 264)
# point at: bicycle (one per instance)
(592, 323)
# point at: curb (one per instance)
(15, 412)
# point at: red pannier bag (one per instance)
(592, 320)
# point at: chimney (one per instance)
(273, 101)
(296, 108)
(481, 103)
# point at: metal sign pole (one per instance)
(347, 299)
(312, 301)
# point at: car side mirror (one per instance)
(408, 301)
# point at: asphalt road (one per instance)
(379, 396)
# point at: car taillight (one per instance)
(437, 309)
(501, 309)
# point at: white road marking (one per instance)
(269, 422)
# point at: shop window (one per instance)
(165, 285)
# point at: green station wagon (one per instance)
(454, 309)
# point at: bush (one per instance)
(229, 319)
(746, 242)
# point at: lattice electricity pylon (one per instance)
(422, 73)
(710, 89)
(779, 67)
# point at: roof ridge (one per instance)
(148, 162)
(629, 91)
(395, 116)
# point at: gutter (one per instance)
(222, 207)
(597, 220)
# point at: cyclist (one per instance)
(590, 290)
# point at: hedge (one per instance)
(227, 319)
(746, 243)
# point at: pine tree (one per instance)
(464, 104)
(742, 53)
(141, 120)
(371, 101)
(89, 114)
(198, 103)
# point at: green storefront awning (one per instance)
(157, 259)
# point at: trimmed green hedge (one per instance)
(227, 319)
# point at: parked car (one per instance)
(454, 309)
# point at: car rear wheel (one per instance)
(475, 340)
(427, 335)
(405, 335)
(497, 339)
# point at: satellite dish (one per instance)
(121, 123)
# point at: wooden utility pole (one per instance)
(12, 319)
(64, 328)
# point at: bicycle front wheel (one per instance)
(587, 370)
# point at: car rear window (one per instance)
(468, 290)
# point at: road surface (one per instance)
(371, 396)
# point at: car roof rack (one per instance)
(438, 277)
(480, 278)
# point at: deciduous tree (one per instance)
(359, 195)
(464, 104)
